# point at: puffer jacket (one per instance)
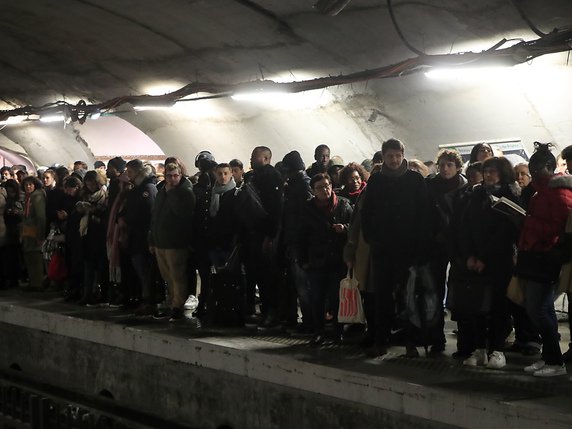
(547, 213)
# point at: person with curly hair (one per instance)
(353, 178)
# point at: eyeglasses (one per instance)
(323, 188)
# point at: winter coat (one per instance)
(357, 250)
(172, 218)
(137, 213)
(319, 246)
(270, 187)
(394, 215)
(223, 227)
(93, 243)
(13, 214)
(547, 213)
(296, 193)
(34, 219)
(201, 218)
(54, 199)
(487, 234)
(442, 194)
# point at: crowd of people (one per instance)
(132, 235)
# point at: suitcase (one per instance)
(226, 298)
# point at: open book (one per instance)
(506, 206)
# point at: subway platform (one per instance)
(206, 377)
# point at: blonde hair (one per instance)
(416, 165)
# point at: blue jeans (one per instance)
(539, 303)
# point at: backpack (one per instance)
(250, 210)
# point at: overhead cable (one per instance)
(401, 36)
(523, 15)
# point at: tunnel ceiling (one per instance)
(96, 50)
(99, 49)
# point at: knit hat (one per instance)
(293, 161)
(336, 161)
(118, 163)
(79, 173)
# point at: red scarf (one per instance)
(27, 205)
(328, 206)
(359, 191)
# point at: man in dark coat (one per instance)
(395, 224)
(442, 191)
(260, 248)
(201, 262)
(137, 215)
(296, 192)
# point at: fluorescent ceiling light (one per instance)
(54, 118)
(467, 74)
(13, 120)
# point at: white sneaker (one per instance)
(534, 367)
(478, 357)
(497, 360)
(550, 371)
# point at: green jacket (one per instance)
(33, 226)
(172, 218)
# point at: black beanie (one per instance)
(293, 161)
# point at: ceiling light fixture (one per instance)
(52, 118)
(467, 74)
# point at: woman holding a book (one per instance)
(487, 243)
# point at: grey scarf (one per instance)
(216, 192)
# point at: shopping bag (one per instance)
(57, 268)
(351, 308)
(422, 302)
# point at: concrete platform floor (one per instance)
(439, 388)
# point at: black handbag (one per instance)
(469, 293)
(542, 267)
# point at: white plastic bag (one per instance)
(350, 309)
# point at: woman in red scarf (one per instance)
(353, 178)
(322, 238)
